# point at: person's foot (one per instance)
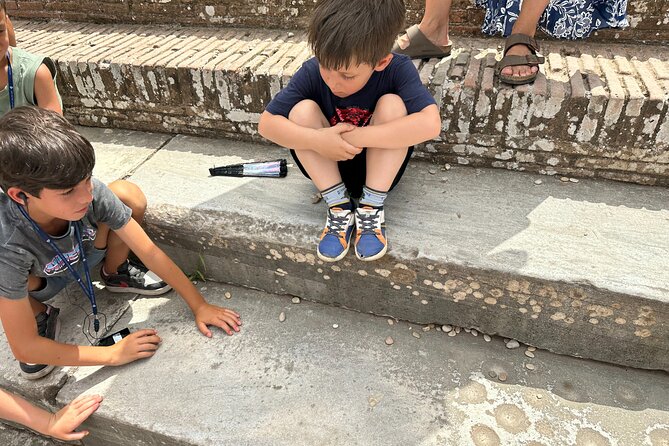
(133, 277)
(335, 238)
(48, 326)
(370, 240)
(519, 70)
(415, 44)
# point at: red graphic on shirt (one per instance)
(351, 115)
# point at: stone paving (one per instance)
(596, 111)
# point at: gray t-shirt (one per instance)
(23, 252)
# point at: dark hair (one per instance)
(40, 149)
(361, 31)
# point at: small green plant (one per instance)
(200, 270)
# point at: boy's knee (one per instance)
(131, 195)
(388, 108)
(307, 113)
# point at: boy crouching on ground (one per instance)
(56, 222)
(350, 116)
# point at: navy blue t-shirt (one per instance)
(400, 77)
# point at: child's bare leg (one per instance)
(117, 251)
(382, 168)
(383, 164)
(323, 171)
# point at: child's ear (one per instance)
(383, 63)
(17, 195)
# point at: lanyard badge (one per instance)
(86, 285)
(10, 82)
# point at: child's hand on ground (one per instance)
(225, 319)
(137, 345)
(331, 145)
(63, 423)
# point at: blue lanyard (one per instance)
(88, 287)
(10, 83)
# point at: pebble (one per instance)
(447, 166)
(431, 171)
(296, 300)
(457, 329)
(475, 333)
(335, 325)
(390, 341)
(316, 198)
(468, 330)
(228, 295)
(492, 374)
(512, 344)
(564, 179)
(204, 288)
(538, 182)
(426, 328)
(503, 376)
(530, 366)
(291, 34)
(573, 180)
(446, 328)
(282, 317)
(531, 349)
(416, 335)
(391, 322)
(529, 354)
(487, 338)
(452, 333)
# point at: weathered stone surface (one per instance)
(553, 260)
(594, 111)
(648, 20)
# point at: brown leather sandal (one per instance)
(420, 47)
(531, 60)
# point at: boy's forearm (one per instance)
(46, 351)
(286, 133)
(17, 410)
(400, 133)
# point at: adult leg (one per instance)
(434, 24)
(528, 19)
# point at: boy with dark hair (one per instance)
(351, 115)
(56, 222)
(25, 78)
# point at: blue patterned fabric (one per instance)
(562, 19)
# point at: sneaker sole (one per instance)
(120, 289)
(48, 369)
(374, 257)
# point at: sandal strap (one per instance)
(521, 39)
(529, 60)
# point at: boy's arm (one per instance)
(157, 261)
(60, 425)
(400, 133)
(326, 141)
(45, 90)
(20, 328)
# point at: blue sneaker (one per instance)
(336, 236)
(370, 239)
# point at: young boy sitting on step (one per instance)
(25, 78)
(56, 224)
(350, 116)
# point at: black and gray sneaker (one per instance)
(48, 326)
(133, 277)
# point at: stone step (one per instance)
(275, 382)
(577, 268)
(595, 111)
(647, 18)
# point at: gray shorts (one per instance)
(55, 285)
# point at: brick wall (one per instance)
(649, 18)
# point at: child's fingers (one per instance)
(83, 402)
(75, 436)
(153, 339)
(203, 329)
(86, 412)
